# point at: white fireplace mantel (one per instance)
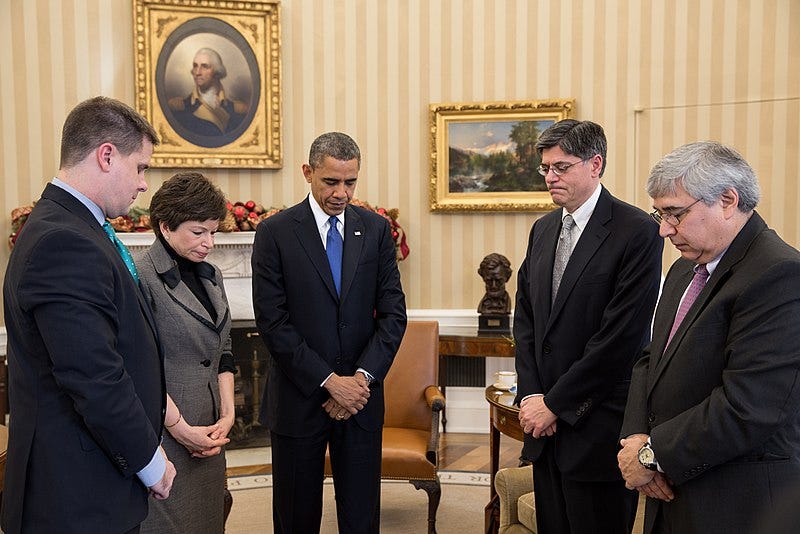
(231, 253)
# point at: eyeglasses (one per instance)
(559, 168)
(672, 218)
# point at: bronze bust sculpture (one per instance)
(495, 269)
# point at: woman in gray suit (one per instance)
(193, 318)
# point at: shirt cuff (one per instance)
(658, 467)
(363, 371)
(326, 379)
(151, 474)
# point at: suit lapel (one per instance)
(542, 269)
(591, 238)
(308, 236)
(735, 253)
(673, 291)
(353, 243)
(214, 293)
(74, 206)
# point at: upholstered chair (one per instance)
(411, 425)
(514, 486)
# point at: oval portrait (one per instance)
(207, 82)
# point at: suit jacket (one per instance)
(579, 354)
(193, 345)
(311, 332)
(86, 386)
(721, 403)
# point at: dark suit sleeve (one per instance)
(528, 381)
(760, 387)
(390, 310)
(610, 352)
(74, 298)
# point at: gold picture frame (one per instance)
(241, 126)
(483, 156)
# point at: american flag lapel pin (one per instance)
(357, 232)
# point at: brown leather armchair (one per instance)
(411, 424)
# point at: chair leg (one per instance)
(434, 490)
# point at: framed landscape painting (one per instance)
(208, 80)
(483, 155)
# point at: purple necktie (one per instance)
(698, 283)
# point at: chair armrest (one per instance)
(434, 398)
(436, 402)
(511, 483)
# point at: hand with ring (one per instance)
(335, 410)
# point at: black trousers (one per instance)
(566, 506)
(298, 466)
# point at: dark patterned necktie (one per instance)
(333, 247)
(123, 251)
(698, 283)
(563, 251)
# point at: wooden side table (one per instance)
(471, 346)
(503, 418)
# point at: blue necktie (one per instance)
(333, 247)
(123, 251)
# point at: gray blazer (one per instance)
(193, 346)
(193, 343)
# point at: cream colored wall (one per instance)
(655, 74)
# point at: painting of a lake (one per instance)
(495, 157)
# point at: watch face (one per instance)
(646, 456)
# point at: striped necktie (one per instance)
(123, 251)
(698, 283)
(563, 252)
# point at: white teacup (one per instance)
(505, 379)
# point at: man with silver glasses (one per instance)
(712, 426)
(585, 297)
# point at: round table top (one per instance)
(502, 398)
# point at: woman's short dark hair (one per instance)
(187, 196)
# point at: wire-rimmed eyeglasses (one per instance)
(559, 168)
(672, 218)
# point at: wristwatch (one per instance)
(647, 457)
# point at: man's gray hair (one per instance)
(705, 170)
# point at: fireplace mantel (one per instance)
(231, 253)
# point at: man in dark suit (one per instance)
(86, 385)
(712, 426)
(332, 315)
(586, 293)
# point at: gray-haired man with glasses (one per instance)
(586, 293)
(712, 426)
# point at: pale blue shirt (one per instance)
(153, 471)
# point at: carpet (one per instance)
(404, 510)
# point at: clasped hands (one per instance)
(203, 441)
(535, 417)
(653, 484)
(349, 395)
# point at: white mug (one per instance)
(505, 379)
